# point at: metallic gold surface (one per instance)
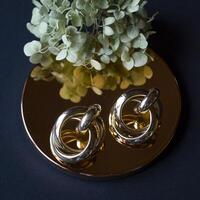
(41, 105)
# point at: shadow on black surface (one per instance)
(169, 44)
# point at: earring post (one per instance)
(148, 101)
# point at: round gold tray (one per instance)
(41, 105)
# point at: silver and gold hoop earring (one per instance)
(77, 134)
(134, 117)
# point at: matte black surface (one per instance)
(25, 174)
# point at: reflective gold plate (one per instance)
(41, 105)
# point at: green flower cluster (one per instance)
(90, 33)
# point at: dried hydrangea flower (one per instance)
(91, 34)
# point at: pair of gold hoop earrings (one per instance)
(87, 138)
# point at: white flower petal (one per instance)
(135, 2)
(140, 42)
(133, 6)
(109, 20)
(97, 91)
(125, 39)
(54, 50)
(32, 48)
(140, 59)
(108, 30)
(36, 17)
(72, 56)
(43, 27)
(125, 55)
(129, 64)
(66, 41)
(62, 55)
(119, 15)
(105, 59)
(97, 65)
(132, 32)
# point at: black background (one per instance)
(26, 175)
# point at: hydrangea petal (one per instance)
(43, 27)
(105, 59)
(36, 58)
(97, 65)
(140, 59)
(62, 55)
(36, 17)
(32, 48)
(129, 64)
(140, 42)
(109, 20)
(119, 15)
(72, 56)
(108, 30)
(132, 32)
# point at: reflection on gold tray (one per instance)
(41, 105)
